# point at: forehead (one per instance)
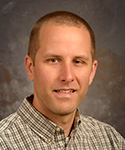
(63, 39)
(63, 32)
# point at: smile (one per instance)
(64, 91)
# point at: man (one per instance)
(61, 63)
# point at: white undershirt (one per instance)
(67, 138)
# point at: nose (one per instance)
(67, 74)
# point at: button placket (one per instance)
(58, 129)
(60, 137)
(49, 140)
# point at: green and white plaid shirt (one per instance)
(27, 129)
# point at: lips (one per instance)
(65, 91)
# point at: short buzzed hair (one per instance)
(58, 18)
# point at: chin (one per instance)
(65, 111)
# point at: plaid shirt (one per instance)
(27, 129)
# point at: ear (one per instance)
(93, 71)
(29, 67)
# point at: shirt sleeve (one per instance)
(117, 141)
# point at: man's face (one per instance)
(63, 69)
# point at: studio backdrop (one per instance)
(105, 99)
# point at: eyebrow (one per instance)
(59, 56)
(82, 57)
(50, 55)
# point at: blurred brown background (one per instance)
(105, 100)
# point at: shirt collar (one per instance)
(37, 122)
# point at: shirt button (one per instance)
(49, 140)
(58, 129)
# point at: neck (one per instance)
(64, 121)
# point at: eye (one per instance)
(79, 62)
(53, 60)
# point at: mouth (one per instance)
(65, 91)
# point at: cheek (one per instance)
(83, 77)
(44, 75)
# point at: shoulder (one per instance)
(8, 121)
(7, 126)
(98, 129)
(96, 125)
